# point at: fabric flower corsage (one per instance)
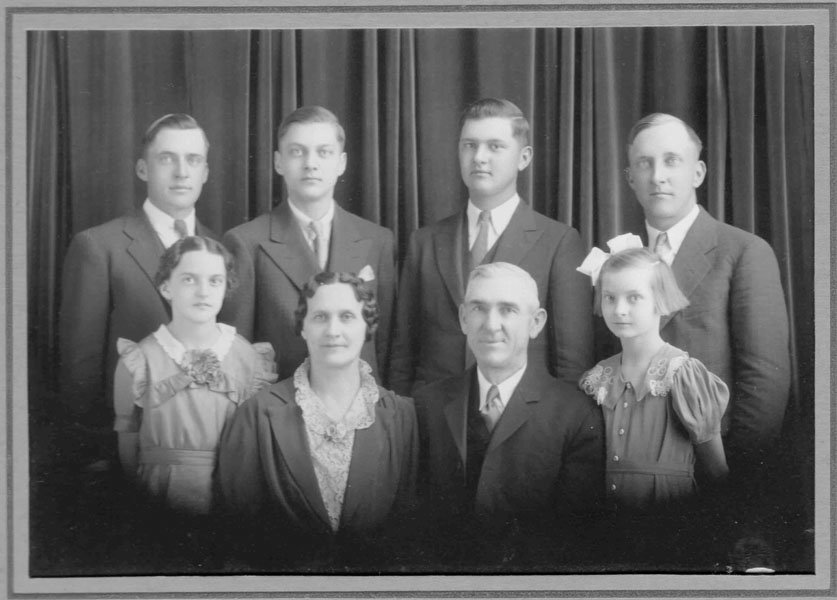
(596, 258)
(202, 366)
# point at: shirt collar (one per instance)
(505, 387)
(304, 219)
(163, 223)
(500, 215)
(676, 233)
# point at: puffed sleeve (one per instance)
(130, 385)
(264, 370)
(699, 399)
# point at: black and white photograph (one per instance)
(428, 300)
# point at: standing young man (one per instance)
(495, 225)
(278, 252)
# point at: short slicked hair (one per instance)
(523, 280)
(170, 121)
(310, 114)
(655, 119)
(668, 298)
(498, 107)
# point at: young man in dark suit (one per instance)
(276, 253)
(108, 287)
(736, 322)
(512, 460)
(495, 225)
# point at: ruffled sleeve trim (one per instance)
(134, 360)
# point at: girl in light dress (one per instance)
(175, 389)
(662, 408)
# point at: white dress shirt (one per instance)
(500, 218)
(506, 387)
(304, 222)
(163, 223)
(676, 233)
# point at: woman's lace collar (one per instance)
(176, 351)
(360, 415)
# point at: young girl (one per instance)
(662, 409)
(175, 389)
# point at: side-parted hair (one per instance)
(363, 294)
(498, 107)
(655, 119)
(174, 253)
(310, 114)
(514, 276)
(170, 121)
(668, 298)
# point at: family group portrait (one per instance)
(420, 301)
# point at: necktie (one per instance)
(320, 248)
(493, 408)
(663, 248)
(480, 247)
(180, 228)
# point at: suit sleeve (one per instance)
(761, 357)
(386, 302)
(240, 307)
(239, 483)
(407, 324)
(83, 324)
(570, 320)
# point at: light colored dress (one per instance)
(651, 431)
(185, 399)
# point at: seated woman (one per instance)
(322, 466)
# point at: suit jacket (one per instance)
(737, 325)
(275, 261)
(107, 293)
(266, 478)
(428, 343)
(543, 470)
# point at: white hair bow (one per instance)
(596, 258)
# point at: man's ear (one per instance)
(342, 167)
(700, 173)
(525, 157)
(538, 323)
(277, 162)
(462, 318)
(142, 169)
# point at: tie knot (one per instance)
(485, 217)
(492, 398)
(317, 229)
(180, 228)
(661, 243)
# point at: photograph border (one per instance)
(22, 16)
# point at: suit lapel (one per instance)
(349, 249)
(456, 410)
(519, 236)
(691, 263)
(365, 467)
(448, 244)
(289, 434)
(517, 410)
(145, 246)
(287, 247)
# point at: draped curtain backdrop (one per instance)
(746, 90)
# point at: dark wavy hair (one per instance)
(363, 293)
(171, 258)
(498, 107)
(668, 298)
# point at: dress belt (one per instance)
(176, 456)
(652, 468)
